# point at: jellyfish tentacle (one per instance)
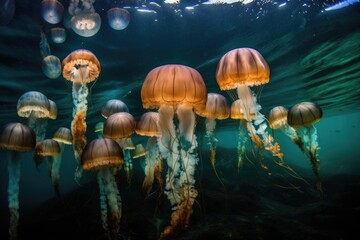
(14, 166)
(103, 203)
(242, 139)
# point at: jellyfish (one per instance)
(58, 35)
(118, 18)
(49, 148)
(120, 126)
(36, 107)
(52, 11)
(76, 6)
(80, 67)
(175, 89)
(63, 137)
(17, 138)
(44, 44)
(51, 66)
(139, 151)
(113, 106)
(217, 107)
(7, 10)
(103, 155)
(99, 129)
(302, 117)
(153, 165)
(240, 69)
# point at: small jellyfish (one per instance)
(80, 67)
(51, 66)
(63, 137)
(147, 125)
(17, 138)
(119, 127)
(113, 106)
(52, 11)
(99, 129)
(118, 18)
(7, 10)
(302, 117)
(86, 24)
(217, 107)
(103, 155)
(58, 34)
(53, 110)
(139, 151)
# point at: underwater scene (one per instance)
(179, 119)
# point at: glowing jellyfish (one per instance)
(176, 89)
(17, 138)
(118, 18)
(80, 67)
(113, 106)
(240, 69)
(86, 24)
(58, 34)
(217, 107)
(36, 107)
(52, 11)
(120, 126)
(7, 10)
(103, 155)
(302, 117)
(99, 129)
(51, 66)
(153, 165)
(62, 136)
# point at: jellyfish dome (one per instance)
(118, 18)
(63, 135)
(304, 114)
(47, 147)
(7, 10)
(53, 110)
(86, 24)
(113, 106)
(51, 66)
(33, 103)
(103, 155)
(278, 117)
(58, 34)
(119, 125)
(52, 11)
(147, 125)
(17, 138)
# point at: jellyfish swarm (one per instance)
(84, 21)
(58, 35)
(240, 69)
(52, 11)
(176, 89)
(118, 18)
(80, 67)
(36, 107)
(62, 136)
(302, 117)
(103, 155)
(217, 107)
(119, 127)
(153, 165)
(17, 138)
(7, 10)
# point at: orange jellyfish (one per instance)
(217, 107)
(62, 136)
(175, 90)
(148, 126)
(302, 117)
(120, 126)
(103, 155)
(113, 106)
(80, 67)
(17, 138)
(240, 69)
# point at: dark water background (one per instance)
(313, 56)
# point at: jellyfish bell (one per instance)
(53, 110)
(63, 135)
(119, 125)
(237, 112)
(7, 10)
(52, 11)
(139, 151)
(304, 114)
(33, 104)
(51, 66)
(278, 117)
(47, 148)
(147, 125)
(86, 24)
(58, 35)
(118, 18)
(113, 106)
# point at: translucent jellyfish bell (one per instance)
(52, 11)
(86, 24)
(51, 66)
(58, 35)
(118, 18)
